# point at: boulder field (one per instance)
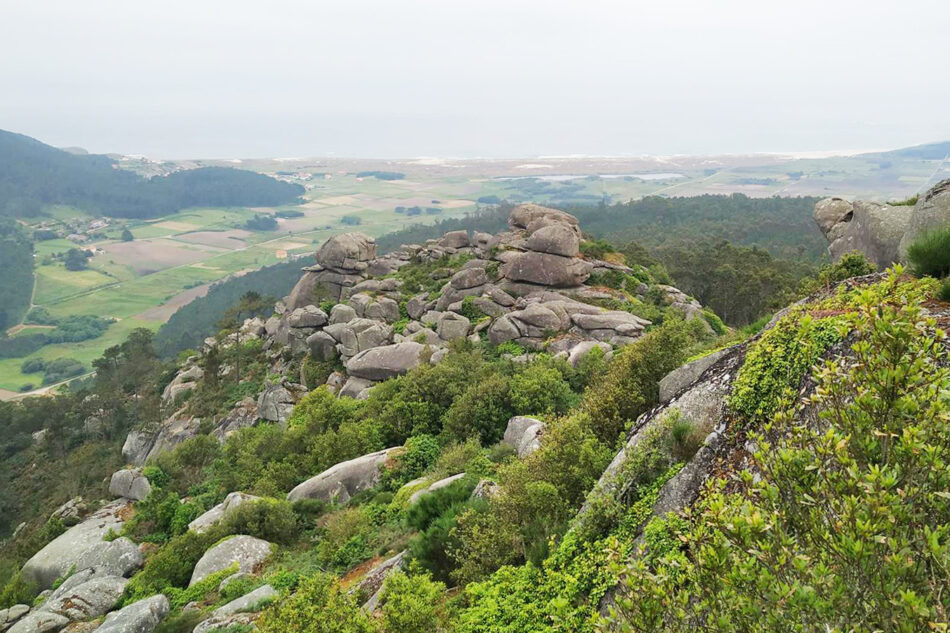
(530, 285)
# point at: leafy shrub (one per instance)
(843, 523)
(930, 253)
(319, 605)
(714, 322)
(435, 504)
(346, 539)
(481, 411)
(540, 390)
(17, 591)
(412, 604)
(170, 566)
(269, 519)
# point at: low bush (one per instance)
(412, 604)
(929, 254)
(269, 519)
(320, 605)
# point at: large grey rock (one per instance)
(63, 552)
(143, 616)
(130, 484)
(469, 278)
(582, 349)
(275, 404)
(523, 434)
(39, 622)
(871, 228)
(137, 445)
(84, 596)
(359, 335)
(454, 239)
(70, 512)
(524, 215)
(220, 511)
(11, 615)
(502, 330)
(347, 251)
(417, 306)
(342, 313)
(119, 557)
(355, 387)
(547, 270)
(345, 479)
(307, 317)
(830, 212)
(682, 377)
(171, 434)
(932, 211)
(452, 326)
(556, 239)
(239, 622)
(389, 361)
(322, 346)
(242, 415)
(248, 602)
(248, 552)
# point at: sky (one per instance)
(485, 78)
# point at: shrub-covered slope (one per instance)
(566, 478)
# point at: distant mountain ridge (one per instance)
(33, 174)
(927, 151)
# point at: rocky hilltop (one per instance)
(883, 232)
(371, 318)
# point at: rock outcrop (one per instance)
(247, 552)
(143, 616)
(129, 484)
(81, 544)
(342, 481)
(220, 511)
(883, 232)
(524, 435)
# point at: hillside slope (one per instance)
(501, 415)
(33, 175)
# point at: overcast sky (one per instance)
(403, 78)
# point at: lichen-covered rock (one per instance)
(388, 361)
(372, 583)
(275, 404)
(356, 387)
(242, 415)
(247, 551)
(359, 335)
(11, 615)
(682, 377)
(523, 434)
(307, 317)
(247, 602)
(70, 512)
(137, 445)
(547, 270)
(524, 215)
(119, 557)
(556, 239)
(347, 251)
(130, 484)
(39, 622)
(869, 227)
(220, 511)
(84, 596)
(469, 278)
(172, 433)
(452, 326)
(62, 553)
(345, 479)
(143, 616)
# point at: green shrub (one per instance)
(346, 539)
(269, 519)
(714, 322)
(539, 390)
(320, 605)
(17, 591)
(944, 293)
(842, 522)
(481, 411)
(170, 566)
(437, 503)
(412, 604)
(929, 254)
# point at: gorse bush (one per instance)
(320, 605)
(929, 254)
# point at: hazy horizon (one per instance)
(474, 80)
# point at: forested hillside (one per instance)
(33, 175)
(16, 282)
